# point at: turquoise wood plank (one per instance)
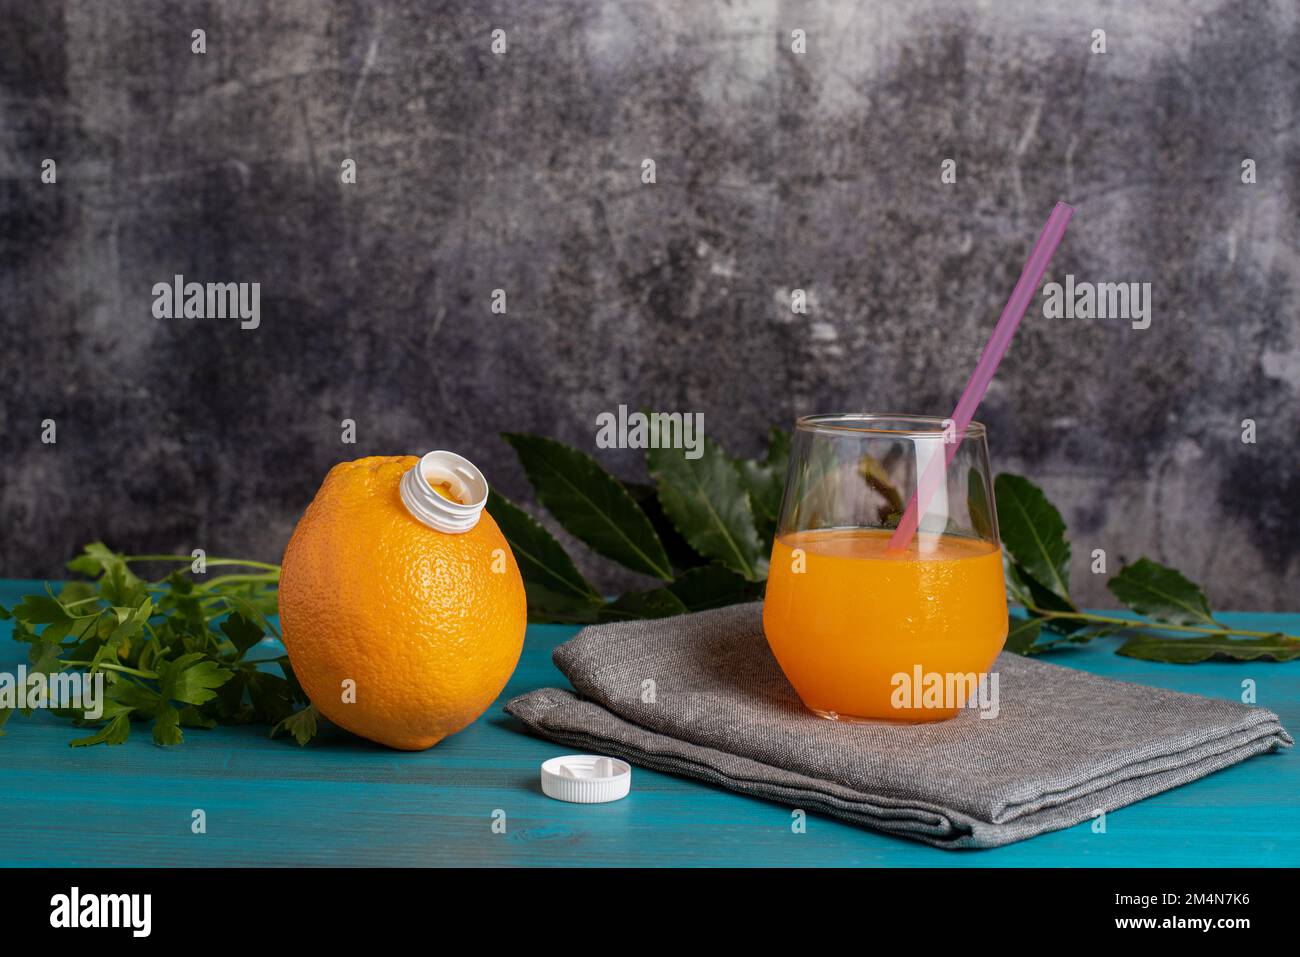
(343, 801)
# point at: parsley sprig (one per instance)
(177, 651)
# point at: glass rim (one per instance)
(859, 422)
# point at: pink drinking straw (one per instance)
(1012, 313)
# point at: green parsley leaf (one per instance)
(115, 732)
(242, 632)
(301, 724)
(191, 678)
(40, 610)
(166, 727)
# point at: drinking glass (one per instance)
(862, 630)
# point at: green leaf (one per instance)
(242, 632)
(764, 480)
(1034, 532)
(655, 603)
(23, 633)
(40, 610)
(111, 710)
(1276, 647)
(135, 697)
(115, 732)
(75, 591)
(250, 611)
(977, 504)
(713, 586)
(192, 717)
(697, 589)
(1022, 583)
(229, 706)
(591, 504)
(1098, 631)
(55, 633)
(295, 687)
(301, 724)
(181, 598)
(94, 559)
(270, 696)
(131, 622)
(708, 504)
(167, 727)
(120, 586)
(1162, 593)
(43, 657)
(1022, 633)
(543, 562)
(548, 607)
(679, 551)
(190, 678)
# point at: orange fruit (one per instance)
(427, 625)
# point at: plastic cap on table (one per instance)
(586, 778)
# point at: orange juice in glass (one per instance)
(864, 631)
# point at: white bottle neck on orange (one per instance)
(445, 491)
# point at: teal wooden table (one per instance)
(343, 801)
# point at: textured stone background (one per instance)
(775, 171)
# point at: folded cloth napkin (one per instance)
(1065, 744)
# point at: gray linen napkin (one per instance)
(1065, 745)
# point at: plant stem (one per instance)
(248, 563)
(220, 580)
(1157, 625)
(94, 614)
(112, 667)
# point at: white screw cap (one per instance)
(460, 476)
(586, 778)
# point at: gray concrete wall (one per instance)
(775, 171)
